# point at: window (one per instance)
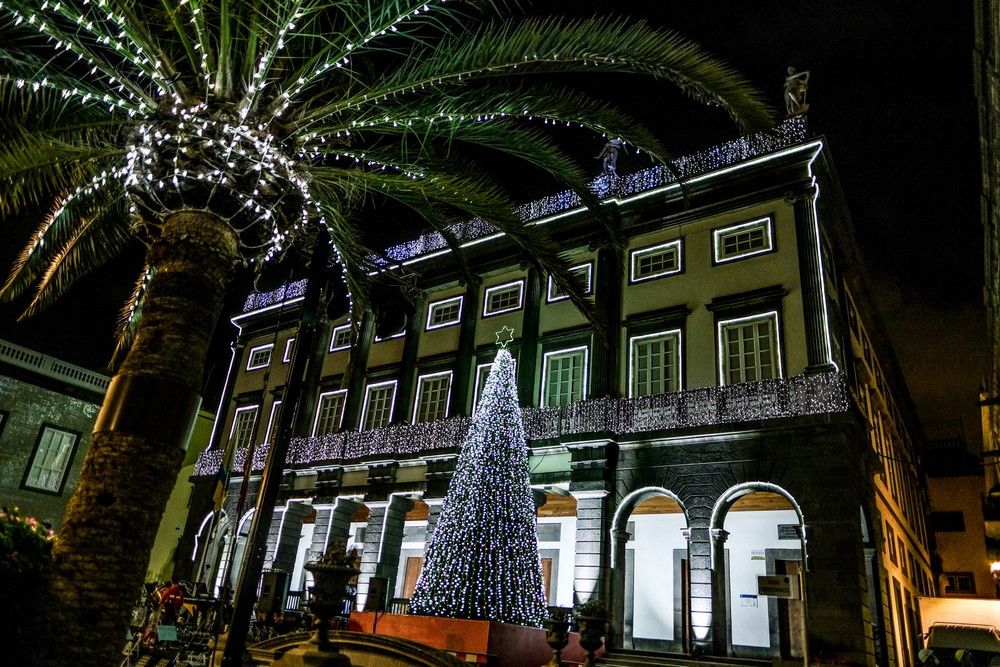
(433, 393)
(656, 261)
(243, 425)
(483, 374)
(948, 522)
(289, 346)
(340, 339)
(259, 357)
(890, 541)
(329, 412)
(379, 399)
(272, 422)
(503, 298)
(51, 460)
(748, 349)
(742, 240)
(444, 313)
(565, 377)
(654, 363)
(583, 274)
(959, 583)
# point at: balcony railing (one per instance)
(798, 396)
(53, 368)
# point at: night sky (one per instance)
(892, 90)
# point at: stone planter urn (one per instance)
(557, 633)
(331, 575)
(592, 623)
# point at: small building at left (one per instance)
(47, 412)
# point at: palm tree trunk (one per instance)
(102, 550)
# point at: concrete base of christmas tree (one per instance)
(477, 642)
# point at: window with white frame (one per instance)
(243, 425)
(289, 347)
(433, 393)
(379, 399)
(272, 422)
(503, 298)
(582, 274)
(742, 240)
(656, 261)
(259, 357)
(329, 412)
(655, 363)
(444, 313)
(564, 377)
(50, 463)
(340, 339)
(749, 349)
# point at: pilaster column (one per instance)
(333, 526)
(357, 368)
(527, 358)
(608, 303)
(408, 374)
(434, 507)
(461, 397)
(621, 619)
(719, 612)
(811, 276)
(289, 534)
(592, 563)
(310, 382)
(383, 538)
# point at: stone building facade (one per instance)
(742, 418)
(47, 411)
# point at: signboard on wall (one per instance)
(778, 586)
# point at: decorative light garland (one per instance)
(798, 396)
(482, 559)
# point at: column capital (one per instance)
(719, 535)
(587, 494)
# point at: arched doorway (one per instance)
(232, 556)
(758, 532)
(210, 545)
(651, 587)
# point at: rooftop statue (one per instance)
(796, 86)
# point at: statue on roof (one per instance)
(796, 85)
(609, 156)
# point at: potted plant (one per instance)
(592, 621)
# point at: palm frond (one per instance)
(131, 315)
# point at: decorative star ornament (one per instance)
(504, 337)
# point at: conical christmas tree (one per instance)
(482, 560)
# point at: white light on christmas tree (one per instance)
(482, 560)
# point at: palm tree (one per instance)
(219, 132)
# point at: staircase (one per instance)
(620, 657)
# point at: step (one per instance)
(637, 658)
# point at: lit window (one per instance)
(243, 425)
(654, 363)
(565, 377)
(379, 399)
(329, 412)
(340, 338)
(433, 393)
(444, 313)
(583, 274)
(503, 298)
(749, 349)
(742, 240)
(259, 357)
(289, 346)
(51, 460)
(272, 422)
(659, 260)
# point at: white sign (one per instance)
(778, 585)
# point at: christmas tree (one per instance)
(482, 560)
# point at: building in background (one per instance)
(743, 417)
(47, 412)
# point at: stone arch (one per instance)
(211, 542)
(665, 625)
(722, 621)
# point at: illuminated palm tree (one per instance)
(217, 133)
